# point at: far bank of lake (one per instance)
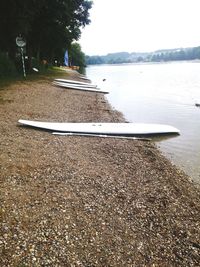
(159, 93)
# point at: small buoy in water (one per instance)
(104, 80)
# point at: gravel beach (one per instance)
(87, 201)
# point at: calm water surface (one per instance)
(159, 93)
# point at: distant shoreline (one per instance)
(146, 63)
(166, 55)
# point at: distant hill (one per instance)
(163, 55)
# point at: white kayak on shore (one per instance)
(120, 129)
(76, 82)
(77, 87)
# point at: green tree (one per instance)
(77, 57)
(49, 26)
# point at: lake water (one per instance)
(159, 93)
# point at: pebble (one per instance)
(79, 201)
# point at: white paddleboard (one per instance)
(76, 87)
(84, 78)
(76, 82)
(124, 129)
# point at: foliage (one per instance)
(7, 68)
(49, 26)
(77, 57)
(90, 60)
(157, 56)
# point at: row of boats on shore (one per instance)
(77, 85)
(98, 129)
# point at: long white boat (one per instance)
(82, 88)
(120, 129)
(75, 82)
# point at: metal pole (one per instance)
(102, 135)
(23, 62)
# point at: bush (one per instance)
(7, 67)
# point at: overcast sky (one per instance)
(141, 25)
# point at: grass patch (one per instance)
(34, 76)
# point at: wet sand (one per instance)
(87, 201)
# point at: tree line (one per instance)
(156, 56)
(49, 27)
